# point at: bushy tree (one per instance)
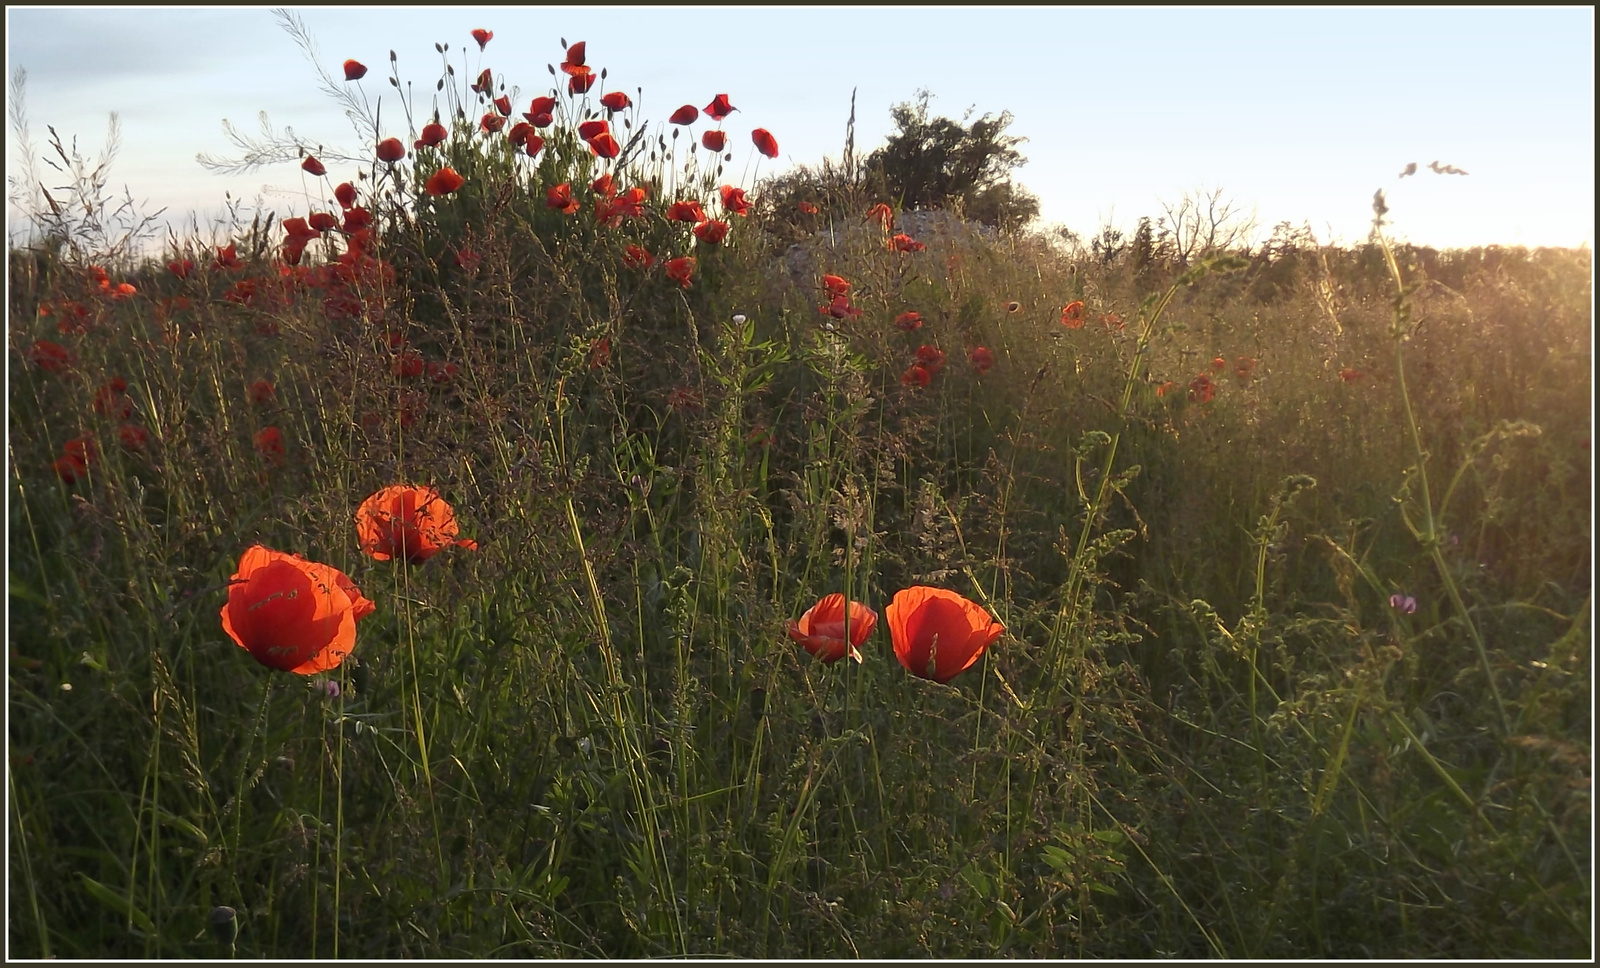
(936, 162)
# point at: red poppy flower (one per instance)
(1244, 366)
(719, 107)
(413, 523)
(441, 372)
(292, 614)
(433, 135)
(605, 145)
(356, 219)
(323, 222)
(1166, 388)
(313, 166)
(345, 194)
(354, 70)
(560, 198)
(482, 37)
(822, 629)
(689, 211)
(491, 122)
(580, 83)
(112, 399)
(711, 231)
(1349, 374)
(70, 469)
(615, 101)
(1072, 314)
(82, 449)
(905, 243)
(298, 228)
(1111, 321)
(50, 357)
(605, 185)
(680, 269)
(882, 214)
(391, 150)
(688, 114)
(485, 82)
(519, 133)
(589, 129)
(981, 359)
(931, 357)
(734, 201)
(637, 257)
(809, 208)
(227, 258)
(714, 140)
(443, 182)
(408, 365)
(835, 285)
(839, 308)
(181, 267)
(577, 54)
(938, 634)
(1202, 389)
(541, 107)
(765, 142)
(600, 353)
(262, 391)
(269, 444)
(916, 375)
(133, 437)
(503, 105)
(909, 321)
(1219, 364)
(467, 259)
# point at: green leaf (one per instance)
(116, 902)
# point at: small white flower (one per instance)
(739, 318)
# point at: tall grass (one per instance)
(1205, 733)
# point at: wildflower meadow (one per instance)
(559, 535)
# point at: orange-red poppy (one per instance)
(916, 375)
(580, 83)
(1202, 389)
(313, 167)
(679, 270)
(50, 356)
(606, 145)
(323, 222)
(532, 144)
(391, 149)
(482, 37)
(734, 201)
(433, 135)
(905, 243)
(909, 321)
(407, 522)
(981, 360)
(615, 101)
(809, 208)
(345, 194)
(485, 82)
(765, 142)
(292, 614)
(637, 257)
(836, 285)
(688, 114)
(1350, 374)
(444, 181)
(689, 211)
(931, 357)
(559, 197)
(354, 70)
(588, 129)
(491, 122)
(605, 185)
(269, 444)
(262, 391)
(822, 629)
(1219, 364)
(711, 231)
(719, 107)
(133, 437)
(714, 139)
(577, 54)
(1244, 366)
(938, 634)
(503, 105)
(541, 112)
(882, 214)
(228, 257)
(1072, 314)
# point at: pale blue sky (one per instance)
(1298, 114)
